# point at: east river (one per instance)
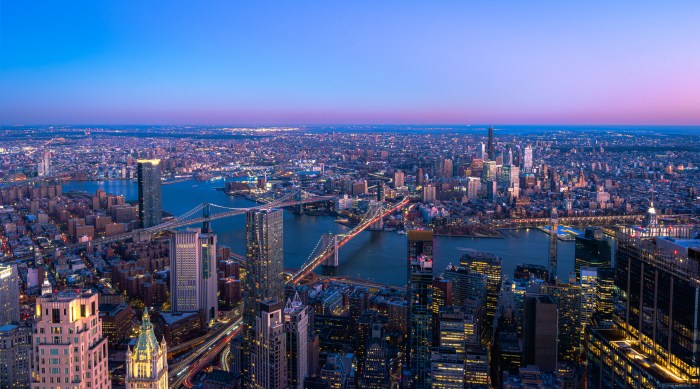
(372, 255)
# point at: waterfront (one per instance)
(372, 255)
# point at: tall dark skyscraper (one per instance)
(263, 278)
(593, 249)
(420, 298)
(491, 151)
(658, 278)
(150, 199)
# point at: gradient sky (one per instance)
(301, 62)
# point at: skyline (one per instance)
(325, 64)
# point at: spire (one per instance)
(297, 301)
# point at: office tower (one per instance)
(490, 170)
(659, 282)
(491, 266)
(481, 152)
(553, 239)
(457, 329)
(9, 295)
(508, 158)
(446, 368)
(420, 176)
(336, 372)
(442, 294)
(429, 193)
(527, 159)
(447, 168)
(147, 363)
(375, 374)
(15, 355)
(589, 296)
(150, 198)
(473, 187)
(268, 357)
(605, 295)
(420, 280)
(398, 179)
(296, 328)
(567, 298)
(193, 278)
(467, 285)
(491, 151)
(540, 331)
(593, 249)
(263, 280)
(70, 350)
(44, 166)
(476, 367)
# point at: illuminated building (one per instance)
(567, 297)
(193, 278)
(442, 294)
(655, 341)
(150, 198)
(375, 374)
(491, 266)
(296, 327)
(476, 367)
(263, 279)
(268, 356)
(457, 329)
(147, 363)
(446, 368)
(69, 349)
(593, 249)
(420, 295)
(398, 179)
(15, 355)
(9, 295)
(589, 295)
(527, 159)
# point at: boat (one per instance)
(401, 232)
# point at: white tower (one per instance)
(147, 364)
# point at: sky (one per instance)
(349, 62)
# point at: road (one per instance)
(182, 372)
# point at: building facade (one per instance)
(193, 278)
(9, 295)
(150, 198)
(268, 359)
(69, 349)
(420, 280)
(147, 363)
(15, 356)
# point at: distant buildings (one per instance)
(147, 363)
(150, 199)
(69, 348)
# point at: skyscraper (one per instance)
(193, 278)
(420, 294)
(70, 350)
(567, 297)
(593, 249)
(489, 265)
(263, 280)
(527, 159)
(659, 282)
(15, 355)
(398, 179)
(147, 363)
(491, 151)
(9, 295)
(268, 356)
(540, 331)
(296, 328)
(44, 166)
(553, 239)
(375, 374)
(150, 199)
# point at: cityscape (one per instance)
(279, 236)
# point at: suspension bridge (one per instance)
(295, 198)
(326, 250)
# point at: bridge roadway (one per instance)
(328, 251)
(575, 220)
(184, 220)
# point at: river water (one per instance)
(372, 255)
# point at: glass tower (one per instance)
(420, 296)
(150, 208)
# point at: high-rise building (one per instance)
(147, 363)
(442, 294)
(268, 355)
(429, 193)
(193, 278)
(150, 198)
(527, 159)
(15, 355)
(655, 341)
(69, 349)
(467, 285)
(553, 239)
(593, 249)
(491, 151)
(420, 290)
(481, 152)
(446, 368)
(263, 277)
(458, 329)
(567, 298)
(296, 328)
(589, 296)
(375, 374)
(398, 179)
(447, 168)
(540, 331)
(9, 295)
(491, 266)
(44, 166)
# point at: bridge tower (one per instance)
(299, 208)
(330, 242)
(206, 212)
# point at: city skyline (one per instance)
(308, 63)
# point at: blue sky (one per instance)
(301, 62)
